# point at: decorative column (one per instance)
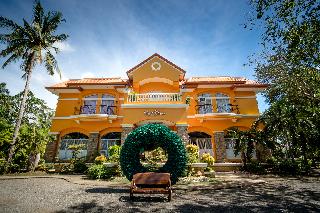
(126, 129)
(182, 131)
(92, 146)
(52, 149)
(220, 146)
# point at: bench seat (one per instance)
(151, 183)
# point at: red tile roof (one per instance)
(72, 83)
(236, 81)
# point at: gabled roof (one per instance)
(162, 58)
(235, 81)
(74, 83)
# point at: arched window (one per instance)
(89, 104)
(108, 140)
(107, 105)
(223, 103)
(74, 138)
(203, 141)
(204, 103)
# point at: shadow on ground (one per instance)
(105, 190)
(263, 197)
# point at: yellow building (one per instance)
(100, 112)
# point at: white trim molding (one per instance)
(215, 86)
(186, 90)
(173, 106)
(155, 79)
(126, 125)
(61, 118)
(246, 97)
(54, 133)
(228, 116)
(68, 99)
(88, 116)
(255, 89)
(182, 124)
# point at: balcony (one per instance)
(210, 108)
(104, 109)
(154, 98)
(95, 113)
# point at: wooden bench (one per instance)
(151, 183)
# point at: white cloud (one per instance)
(87, 75)
(64, 47)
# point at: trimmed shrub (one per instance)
(207, 158)
(192, 153)
(114, 153)
(100, 159)
(102, 172)
(256, 167)
(79, 167)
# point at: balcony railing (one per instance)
(154, 97)
(104, 109)
(88, 109)
(107, 109)
(210, 108)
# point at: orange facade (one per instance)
(199, 109)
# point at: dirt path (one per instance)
(236, 193)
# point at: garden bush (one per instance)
(192, 153)
(114, 153)
(207, 158)
(2, 166)
(155, 156)
(100, 159)
(100, 171)
(255, 167)
(79, 166)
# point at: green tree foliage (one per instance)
(32, 44)
(114, 153)
(244, 143)
(34, 132)
(290, 65)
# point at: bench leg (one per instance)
(170, 195)
(131, 194)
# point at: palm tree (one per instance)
(32, 44)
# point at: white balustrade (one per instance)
(154, 97)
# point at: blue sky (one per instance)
(107, 38)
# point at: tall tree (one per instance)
(290, 64)
(31, 43)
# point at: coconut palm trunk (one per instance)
(31, 43)
(20, 116)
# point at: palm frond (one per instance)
(38, 13)
(51, 64)
(7, 23)
(13, 58)
(30, 32)
(51, 22)
(16, 48)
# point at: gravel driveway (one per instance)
(58, 195)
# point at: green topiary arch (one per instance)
(149, 137)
